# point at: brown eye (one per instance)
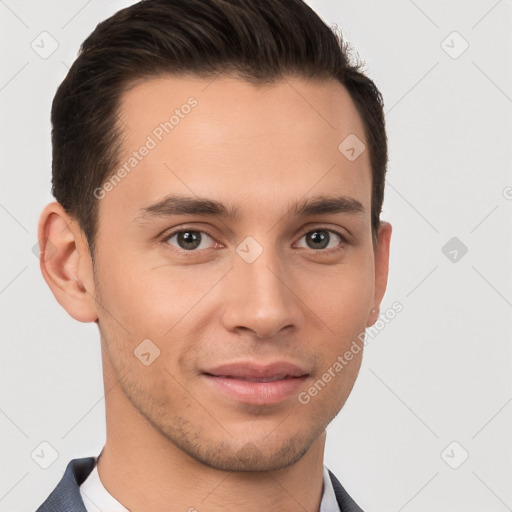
(320, 239)
(188, 239)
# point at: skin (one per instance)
(173, 441)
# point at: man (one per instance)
(219, 174)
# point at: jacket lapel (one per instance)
(346, 503)
(66, 496)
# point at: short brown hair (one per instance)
(260, 41)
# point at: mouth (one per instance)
(257, 384)
(255, 379)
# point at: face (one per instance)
(219, 319)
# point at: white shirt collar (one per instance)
(97, 499)
(329, 502)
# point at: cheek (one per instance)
(342, 299)
(137, 294)
(156, 303)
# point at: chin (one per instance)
(260, 455)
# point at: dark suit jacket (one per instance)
(66, 496)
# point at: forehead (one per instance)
(234, 141)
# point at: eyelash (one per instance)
(341, 247)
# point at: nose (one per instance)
(261, 297)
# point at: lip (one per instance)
(255, 383)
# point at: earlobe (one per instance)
(65, 263)
(381, 252)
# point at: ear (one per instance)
(66, 263)
(381, 254)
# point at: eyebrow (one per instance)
(184, 205)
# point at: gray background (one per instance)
(438, 373)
